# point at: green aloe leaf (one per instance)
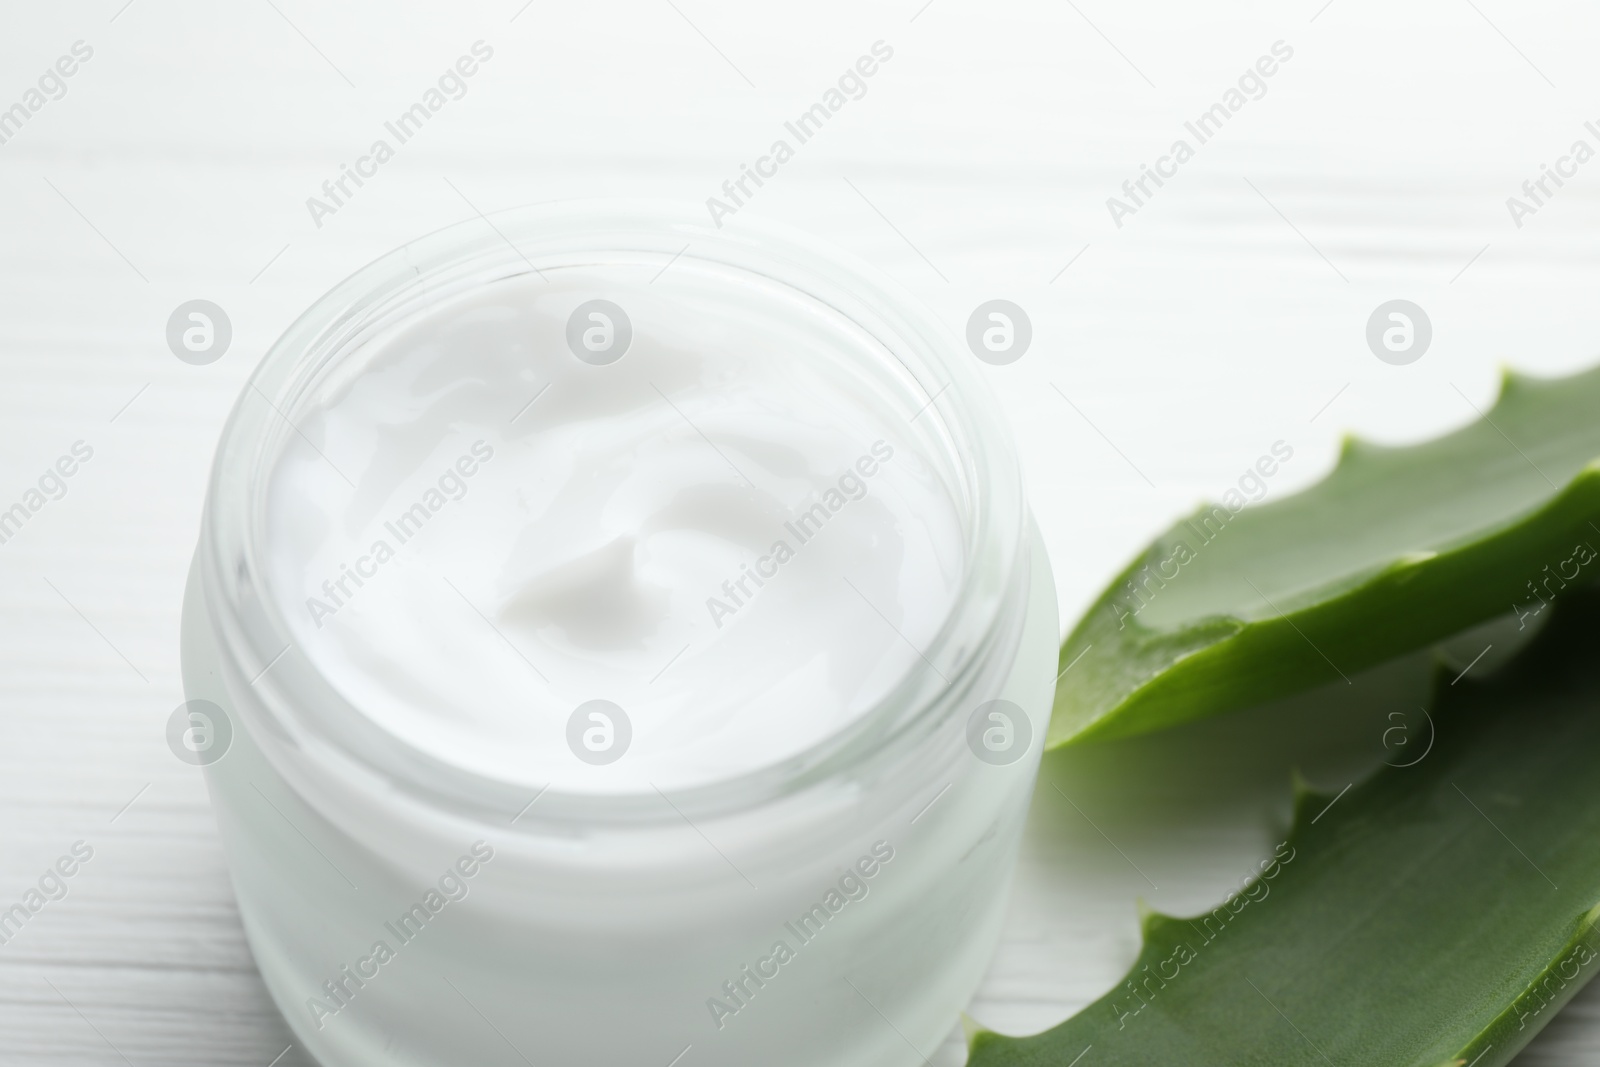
(1435, 914)
(1396, 548)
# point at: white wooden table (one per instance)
(1226, 314)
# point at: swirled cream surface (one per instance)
(487, 520)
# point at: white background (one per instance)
(1225, 315)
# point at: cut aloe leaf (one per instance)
(1435, 914)
(1396, 548)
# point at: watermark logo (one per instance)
(52, 485)
(350, 979)
(1251, 85)
(199, 732)
(1545, 991)
(1146, 583)
(1399, 332)
(1405, 741)
(1537, 192)
(199, 332)
(1149, 980)
(599, 732)
(999, 332)
(599, 332)
(999, 732)
(51, 86)
(451, 84)
(852, 485)
(852, 885)
(50, 887)
(1553, 582)
(451, 485)
(851, 85)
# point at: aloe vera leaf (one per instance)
(1395, 549)
(1439, 913)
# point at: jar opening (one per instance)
(602, 501)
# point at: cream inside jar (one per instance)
(531, 716)
(699, 513)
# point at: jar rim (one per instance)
(257, 645)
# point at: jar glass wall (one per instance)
(433, 863)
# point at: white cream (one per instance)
(727, 532)
(526, 529)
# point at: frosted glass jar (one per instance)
(819, 889)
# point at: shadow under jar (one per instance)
(630, 642)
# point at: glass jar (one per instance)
(835, 906)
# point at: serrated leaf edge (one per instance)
(1103, 727)
(1308, 800)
